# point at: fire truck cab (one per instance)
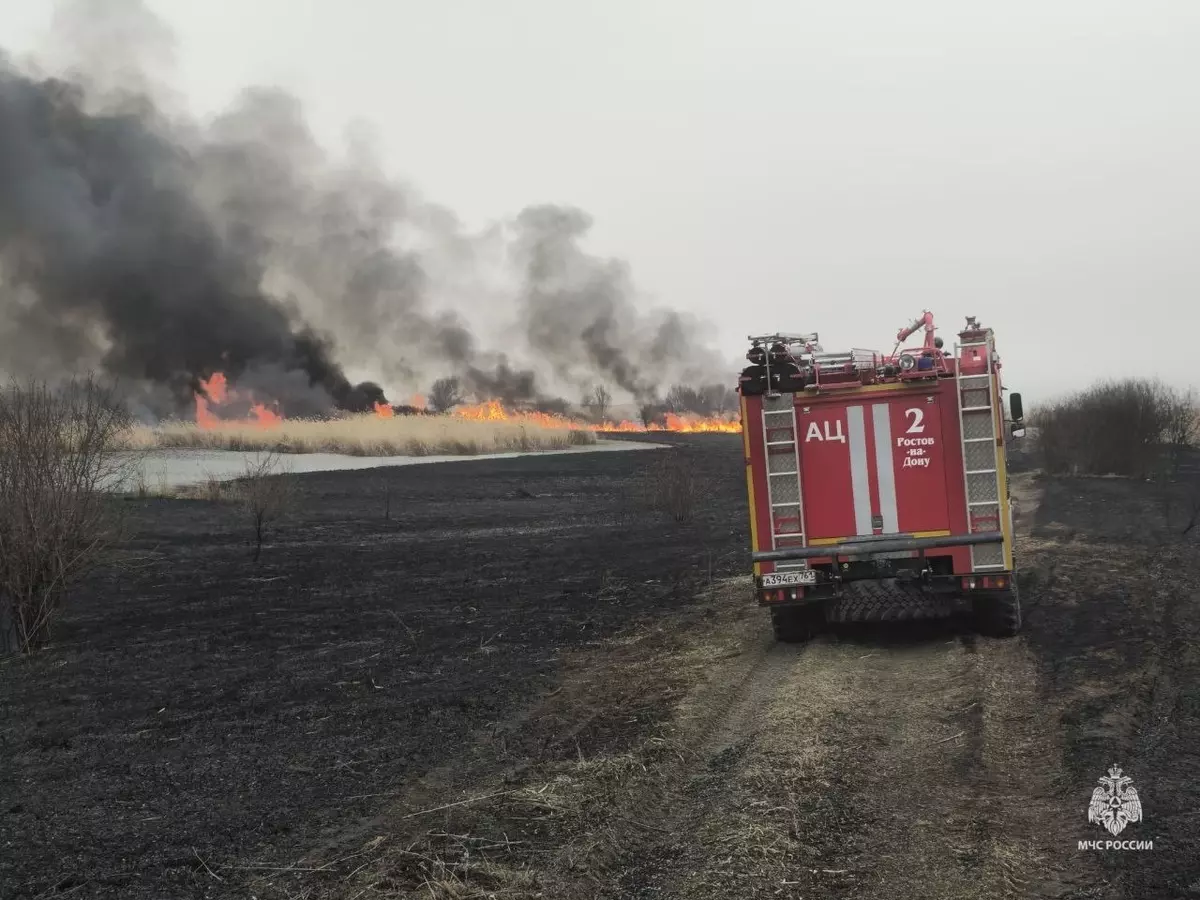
(877, 482)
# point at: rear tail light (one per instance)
(986, 582)
(781, 595)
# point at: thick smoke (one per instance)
(139, 242)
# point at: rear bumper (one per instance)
(878, 545)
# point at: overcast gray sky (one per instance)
(786, 165)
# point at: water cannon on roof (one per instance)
(791, 362)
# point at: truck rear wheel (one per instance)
(998, 613)
(797, 624)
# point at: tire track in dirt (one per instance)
(904, 761)
(835, 784)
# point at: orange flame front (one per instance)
(494, 411)
(217, 389)
(266, 414)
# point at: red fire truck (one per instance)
(877, 482)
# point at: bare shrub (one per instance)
(266, 494)
(445, 394)
(1179, 472)
(1113, 428)
(673, 485)
(706, 400)
(212, 488)
(598, 402)
(59, 454)
(1181, 428)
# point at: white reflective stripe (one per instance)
(857, 437)
(885, 467)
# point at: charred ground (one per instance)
(533, 632)
(196, 703)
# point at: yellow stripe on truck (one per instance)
(828, 542)
(750, 485)
(1002, 475)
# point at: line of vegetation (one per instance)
(1133, 427)
(1136, 428)
(364, 435)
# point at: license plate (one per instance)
(784, 579)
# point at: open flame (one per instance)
(266, 414)
(493, 410)
(218, 392)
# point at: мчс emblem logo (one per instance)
(1116, 803)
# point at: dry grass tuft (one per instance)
(364, 435)
(674, 486)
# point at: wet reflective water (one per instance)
(171, 468)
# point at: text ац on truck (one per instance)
(877, 482)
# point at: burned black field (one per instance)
(196, 705)
(525, 679)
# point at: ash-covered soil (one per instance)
(197, 706)
(527, 682)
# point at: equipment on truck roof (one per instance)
(877, 481)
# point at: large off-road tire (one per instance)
(884, 601)
(998, 613)
(797, 624)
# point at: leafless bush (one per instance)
(59, 453)
(1178, 478)
(673, 484)
(212, 488)
(707, 400)
(1115, 428)
(445, 394)
(266, 494)
(598, 402)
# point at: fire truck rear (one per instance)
(877, 482)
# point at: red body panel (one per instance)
(919, 470)
(825, 471)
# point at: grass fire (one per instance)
(228, 418)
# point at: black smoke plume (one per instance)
(137, 241)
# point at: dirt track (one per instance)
(634, 739)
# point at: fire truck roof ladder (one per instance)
(981, 447)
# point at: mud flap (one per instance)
(889, 601)
(796, 624)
